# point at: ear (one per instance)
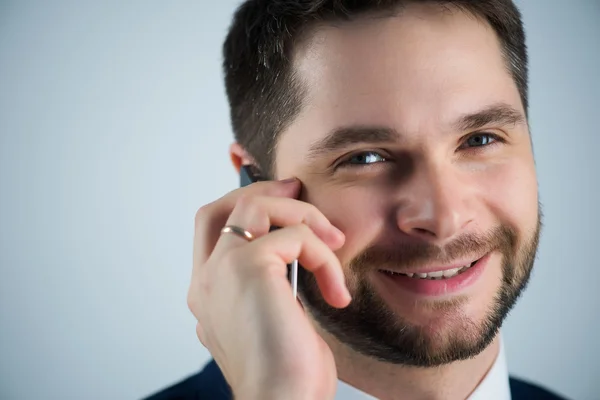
(239, 156)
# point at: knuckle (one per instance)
(263, 265)
(312, 209)
(191, 301)
(249, 205)
(202, 213)
(303, 230)
(245, 268)
(315, 215)
(193, 296)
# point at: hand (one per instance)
(247, 316)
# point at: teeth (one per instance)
(436, 274)
(449, 273)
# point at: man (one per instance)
(412, 205)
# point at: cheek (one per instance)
(510, 192)
(358, 213)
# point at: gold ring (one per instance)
(244, 234)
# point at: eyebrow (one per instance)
(500, 114)
(347, 136)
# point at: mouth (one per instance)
(433, 281)
(434, 275)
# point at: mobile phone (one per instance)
(249, 175)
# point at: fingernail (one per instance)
(338, 232)
(347, 295)
(288, 180)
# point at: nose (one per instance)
(434, 204)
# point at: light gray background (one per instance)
(114, 130)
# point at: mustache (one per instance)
(409, 255)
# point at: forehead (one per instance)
(414, 71)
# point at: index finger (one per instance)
(213, 216)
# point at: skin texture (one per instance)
(430, 184)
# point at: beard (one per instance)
(370, 327)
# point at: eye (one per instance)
(362, 158)
(481, 140)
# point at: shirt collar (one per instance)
(494, 386)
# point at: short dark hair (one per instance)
(263, 92)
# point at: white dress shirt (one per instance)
(494, 386)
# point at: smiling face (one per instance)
(413, 140)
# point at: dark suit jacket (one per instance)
(209, 384)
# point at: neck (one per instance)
(394, 382)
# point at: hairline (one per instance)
(300, 88)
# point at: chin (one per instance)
(415, 321)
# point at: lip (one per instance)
(428, 269)
(428, 287)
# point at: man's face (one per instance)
(413, 141)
